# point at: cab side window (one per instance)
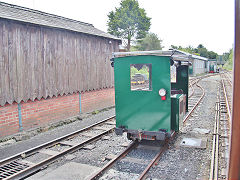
(141, 77)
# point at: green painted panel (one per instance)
(175, 112)
(142, 110)
(182, 82)
(190, 70)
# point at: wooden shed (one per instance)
(51, 68)
(44, 55)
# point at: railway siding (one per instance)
(177, 162)
(191, 163)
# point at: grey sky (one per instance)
(177, 22)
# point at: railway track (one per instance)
(195, 97)
(127, 154)
(24, 164)
(220, 146)
(28, 162)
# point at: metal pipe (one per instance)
(20, 117)
(80, 103)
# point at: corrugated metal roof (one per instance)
(193, 56)
(178, 56)
(14, 12)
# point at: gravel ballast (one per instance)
(177, 162)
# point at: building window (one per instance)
(141, 77)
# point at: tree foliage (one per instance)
(200, 50)
(228, 58)
(150, 42)
(188, 49)
(143, 70)
(129, 21)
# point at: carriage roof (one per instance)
(175, 54)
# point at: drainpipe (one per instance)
(20, 117)
(80, 103)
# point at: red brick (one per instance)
(41, 112)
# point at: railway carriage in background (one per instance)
(151, 93)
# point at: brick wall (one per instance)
(8, 119)
(96, 100)
(39, 113)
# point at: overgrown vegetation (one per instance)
(228, 58)
(143, 70)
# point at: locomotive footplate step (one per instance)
(194, 143)
(72, 170)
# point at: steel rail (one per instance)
(35, 167)
(227, 101)
(194, 107)
(228, 78)
(211, 175)
(157, 157)
(30, 170)
(110, 163)
(50, 143)
(191, 85)
(216, 148)
(130, 147)
(154, 161)
(196, 80)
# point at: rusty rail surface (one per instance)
(195, 106)
(111, 163)
(16, 170)
(215, 146)
(227, 99)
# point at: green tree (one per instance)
(200, 51)
(203, 52)
(229, 63)
(150, 42)
(188, 49)
(129, 21)
(212, 55)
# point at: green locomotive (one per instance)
(151, 93)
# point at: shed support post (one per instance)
(20, 117)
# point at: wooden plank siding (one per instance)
(41, 62)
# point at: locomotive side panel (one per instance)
(141, 108)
